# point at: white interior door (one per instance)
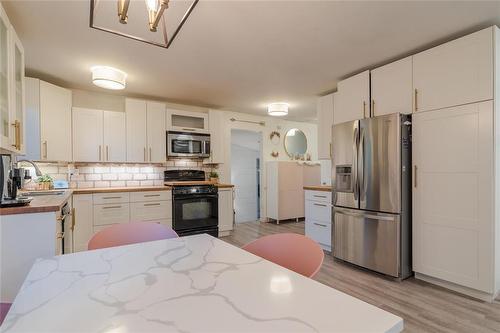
(453, 195)
(156, 132)
(87, 135)
(114, 137)
(392, 88)
(135, 110)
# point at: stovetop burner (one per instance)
(183, 175)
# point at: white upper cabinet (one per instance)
(4, 81)
(354, 98)
(87, 135)
(156, 132)
(392, 88)
(146, 138)
(135, 110)
(454, 73)
(325, 123)
(12, 114)
(215, 120)
(54, 106)
(114, 137)
(186, 121)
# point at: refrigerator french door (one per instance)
(372, 193)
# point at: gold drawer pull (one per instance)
(316, 204)
(320, 225)
(151, 195)
(111, 207)
(112, 197)
(152, 204)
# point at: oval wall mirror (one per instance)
(295, 143)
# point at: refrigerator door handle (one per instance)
(365, 215)
(354, 170)
(360, 165)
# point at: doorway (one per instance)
(246, 158)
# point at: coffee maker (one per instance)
(11, 180)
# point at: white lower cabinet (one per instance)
(318, 212)
(94, 212)
(226, 211)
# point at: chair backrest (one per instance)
(130, 233)
(4, 309)
(293, 251)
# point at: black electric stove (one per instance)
(195, 207)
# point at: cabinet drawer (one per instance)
(318, 211)
(320, 232)
(111, 213)
(150, 211)
(150, 196)
(319, 196)
(108, 198)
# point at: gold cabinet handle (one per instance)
(100, 152)
(372, 111)
(144, 154)
(364, 109)
(17, 134)
(73, 219)
(330, 151)
(149, 154)
(416, 100)
(107, 153)
(44, 149)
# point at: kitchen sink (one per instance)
(38, 193)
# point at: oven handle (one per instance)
(194, 196)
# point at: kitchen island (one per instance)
(191, 284)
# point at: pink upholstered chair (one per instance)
(293, 251)
(130, 233)
(4, 309)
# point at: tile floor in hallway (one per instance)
(424, 307)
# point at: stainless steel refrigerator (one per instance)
(371, 173)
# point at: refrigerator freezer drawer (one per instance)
(367, 239)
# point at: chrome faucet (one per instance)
(37, 170)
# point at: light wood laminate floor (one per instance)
(424, 307)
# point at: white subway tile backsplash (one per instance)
(85, 169)
(93, 176)
(147, 170)
(147, 183)
(170, 163)
(117, 183)
(140, 176)
(153, 176)
(124, 176)
(101, 169)
(85, 184)
(109, 176)
(180, 163)
(133, 183)
(158, 182)
(118, 169)
(132, 170)
(101, 184)
(63, 169)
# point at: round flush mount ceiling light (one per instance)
(277, 109)
(108, 77)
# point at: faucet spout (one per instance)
(37, 170)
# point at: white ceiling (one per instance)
(241, 55)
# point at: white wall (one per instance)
(245, 150)
(271, 124)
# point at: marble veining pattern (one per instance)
(190, 284)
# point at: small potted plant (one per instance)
(44, 182)
(213, 176)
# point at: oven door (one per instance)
(195, 211)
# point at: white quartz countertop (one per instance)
(189, 284)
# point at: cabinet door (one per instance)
(325, 123)
(392, 88)
(455, 73)
(226, 212)
(156, 132)
(136, 130)
(55, 122)
(84, 219)
(186, 121)
(216, 127)
(453, 195)
(17, 97)
(87, 135)
(114, 138)
(5, 93)
(354, 98)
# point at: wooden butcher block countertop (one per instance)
(324, 188)
(40, 204)
(219, 185)
(92, 190)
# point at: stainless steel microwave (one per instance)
(188, 145)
